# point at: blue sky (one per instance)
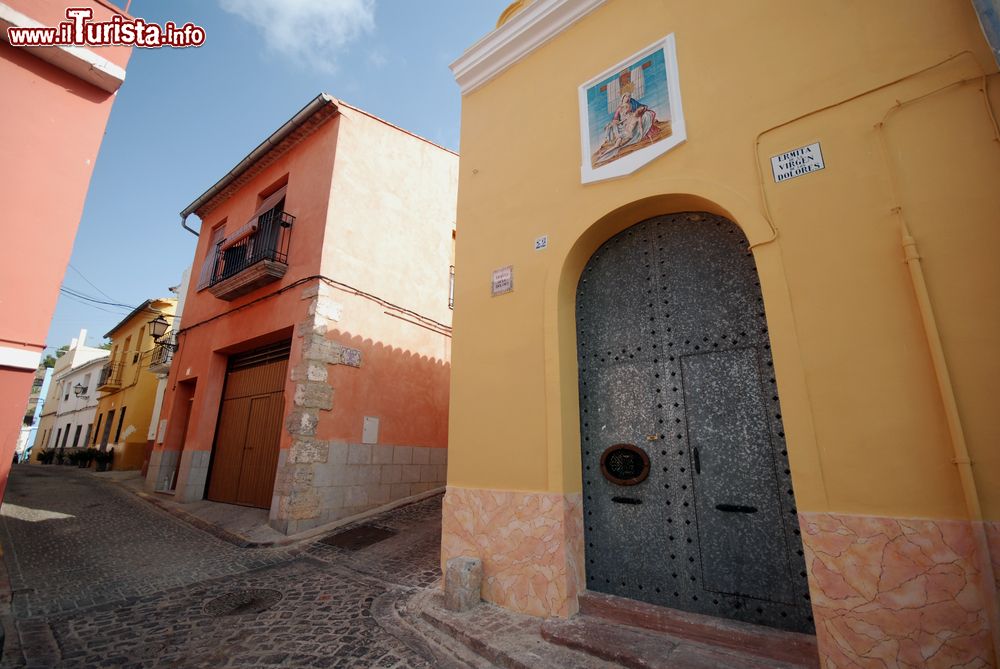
(185, 117)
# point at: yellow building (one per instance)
(686, 211)
(127, 387)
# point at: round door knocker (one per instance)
(625, 464)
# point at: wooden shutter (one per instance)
(208, 266)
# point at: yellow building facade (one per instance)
(852, 152)
(128, 389)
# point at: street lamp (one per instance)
(157, 328)
(80, 391)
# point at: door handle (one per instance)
(736, 508)
(697, 461)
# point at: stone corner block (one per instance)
(308, 450)
(463, 581)
(314, 395)
(302, 423)
(329, 309)
(310, 327)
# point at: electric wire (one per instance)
(439, 327)
(92, 284)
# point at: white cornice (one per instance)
(76, 60)
(527, 30)
(19, 358)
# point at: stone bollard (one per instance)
(462, 580)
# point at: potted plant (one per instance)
(61, 456)
(103, 460)
(45, 456)
(82, 458)
(88, 456)
(73, 458)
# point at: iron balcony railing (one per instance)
(163, 352)
(111, 375)
(268, 242)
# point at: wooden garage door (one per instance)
(245, 453)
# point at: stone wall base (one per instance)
(896, 592)
(340, 480)
(530, 544)
(886, 592)
(162, 464)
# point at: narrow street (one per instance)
(100, 578)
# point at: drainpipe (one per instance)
(961, 460)
(185, 226)
(961, 452)
(912, 257)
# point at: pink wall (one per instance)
(15, 385)
(49, 140)
(53, 12)
(390, 225)
(308, 167)
(52, 132)
(392, 213)
(375, 209)
(204, 347)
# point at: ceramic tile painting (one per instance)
(631, 113)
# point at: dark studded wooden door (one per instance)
(687, 492)
(245, 453)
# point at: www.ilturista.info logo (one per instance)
(79, 30)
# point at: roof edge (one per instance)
(135, 312)
(313, 106)
(397, 127)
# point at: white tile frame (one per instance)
(636, 159)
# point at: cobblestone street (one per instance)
(100, 578)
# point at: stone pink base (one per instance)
(531, 545)
(893, 592)
(993, 538)
(886, 592)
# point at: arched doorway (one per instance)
(687, 492)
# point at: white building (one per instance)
(71, 402)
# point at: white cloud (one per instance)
(314, 32)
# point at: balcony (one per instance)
(254, 260)
(111, 377)
(163, 354)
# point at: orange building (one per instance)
(311, 376)
(55, 105)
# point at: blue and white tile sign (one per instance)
(797, 162)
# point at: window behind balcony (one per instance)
(256, 240)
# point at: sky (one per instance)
(185, 117)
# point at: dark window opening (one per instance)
(121, 420)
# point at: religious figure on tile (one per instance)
(629, 110)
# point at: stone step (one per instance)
(638, 648)
(754, 642)
(505, 639)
